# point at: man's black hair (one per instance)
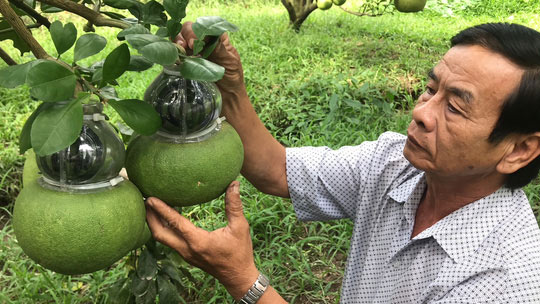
(520, 112)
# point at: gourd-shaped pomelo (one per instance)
(184, 174)
(75, 214)
(75, 233)
(30, 169)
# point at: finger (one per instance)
(175, 220)
(233, 205)
(164, 234)
(188, 34)
(180, 40)
(221, 49)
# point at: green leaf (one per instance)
(18, 42)
(134, 29)
(201, 69)
(138, 115)
(154, 48)
(139, 63)
(97, 77)
(161, 52)
(109, 93)
(63, 36)
(169, 268)
(149, 296)
(153, 13)
(133, 6)
(138, 41)
(167, 291)
(15, 75)
(24, 138)
(138, 286)
(198, 45)
(147, 268)
(122, 4)
(173, 28)
(176, 9)
(119, 292)
(50, 81)
(31, 3)
(212, 26)
(113, 15)
(211, 47)
(161, 32)
(57, 127)
(49, 8)
(116, 63)
(88, 45)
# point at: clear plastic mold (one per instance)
(92, 161)
(187, 107)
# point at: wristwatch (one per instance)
(256, 291)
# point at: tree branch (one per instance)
(94, 17)
(30, 11)
(20, 28)
(6, 57)
(31, 26)
(363, 13)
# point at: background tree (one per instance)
(299, 10)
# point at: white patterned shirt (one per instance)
(485, 252)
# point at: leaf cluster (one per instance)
(157, 271)
(64, 87)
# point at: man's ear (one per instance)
(525, 149)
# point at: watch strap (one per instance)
(256, 291)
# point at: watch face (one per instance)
(77, 163)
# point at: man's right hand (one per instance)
(224, 54)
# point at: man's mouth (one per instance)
(411, 139)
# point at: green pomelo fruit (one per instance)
(185, 174)
(144, 237)
(73, 233)
(30, 169)
(410, 6)
(324, 4)
(339, 2)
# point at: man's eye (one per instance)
(430, 91)
(452, 109)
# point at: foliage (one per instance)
(63, 86)
(452, 8)
(56, 124)
(299, 10)
(375, 66)
(449, 8)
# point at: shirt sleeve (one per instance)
(324, 184)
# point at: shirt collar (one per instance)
(406, 187)
(409, 191)
(463, 231)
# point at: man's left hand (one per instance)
(226, 253)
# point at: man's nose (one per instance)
(425, 113)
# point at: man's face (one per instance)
(448, 135)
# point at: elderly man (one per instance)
(439, 216)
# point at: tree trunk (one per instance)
(298, 11)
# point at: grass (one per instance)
(340, 81)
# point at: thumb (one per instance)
(233, 205)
